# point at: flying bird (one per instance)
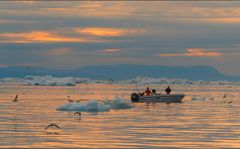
(70, 100)
(52, 125)
(225, 95)
(79, 114)
(15, 99)
(229, 102)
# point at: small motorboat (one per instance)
(157, 98)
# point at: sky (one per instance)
(69, 35)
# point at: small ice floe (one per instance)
(90, 106)
(210, 99)
(199, 98)
(119, 103)
(96, 106)
(203, 98)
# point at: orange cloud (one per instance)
(110, 51)
(194, 52)
(5, 21)
(60, 51)
(3, 65)
(39, 36)
(224, 20)
(115, 32)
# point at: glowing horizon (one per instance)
(74, 34)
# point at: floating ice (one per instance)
(202, 98)
(72, 81)
(95, 106)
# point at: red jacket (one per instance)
(148, 92)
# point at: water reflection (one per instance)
(192, 124)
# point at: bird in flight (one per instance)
(225, 95)
(69, 99)
(79, 114)
(52, 125)
(15, 99)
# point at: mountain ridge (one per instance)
(122, 72)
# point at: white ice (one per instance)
(96, 106)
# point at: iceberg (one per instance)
(96, 106)
(48, 80)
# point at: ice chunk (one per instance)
(119, 103)
(96, 106)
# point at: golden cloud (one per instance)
(39, 36)
(110, 51)
(194, 52)
(3, 65)
(224, 20)
(60, 51)
(5, 21)
(114, 32)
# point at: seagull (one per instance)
(70, 100)
(51, 125)
(79, 114)
(15, 99)
(225, 95)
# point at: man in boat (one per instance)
(168, 90)
(148, 92)
(154, 92)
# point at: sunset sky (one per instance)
(67, 35)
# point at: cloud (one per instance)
(110, 51)
(60, 51)
(7, 21)
(101, 31)
(193, 52)
(3, 65)
(224, 20)
(40, 36)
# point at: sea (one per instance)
(208, 117)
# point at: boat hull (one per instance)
(158, 98)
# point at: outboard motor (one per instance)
(135, 97)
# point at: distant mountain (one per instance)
(122, 72)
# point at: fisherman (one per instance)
(148, 92)
(154, 92)
(168, 90)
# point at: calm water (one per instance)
(194, 123)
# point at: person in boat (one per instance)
(168, 90)
(148, 92)
(154, 92)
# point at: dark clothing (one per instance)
(154, 92)
(168, 90)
